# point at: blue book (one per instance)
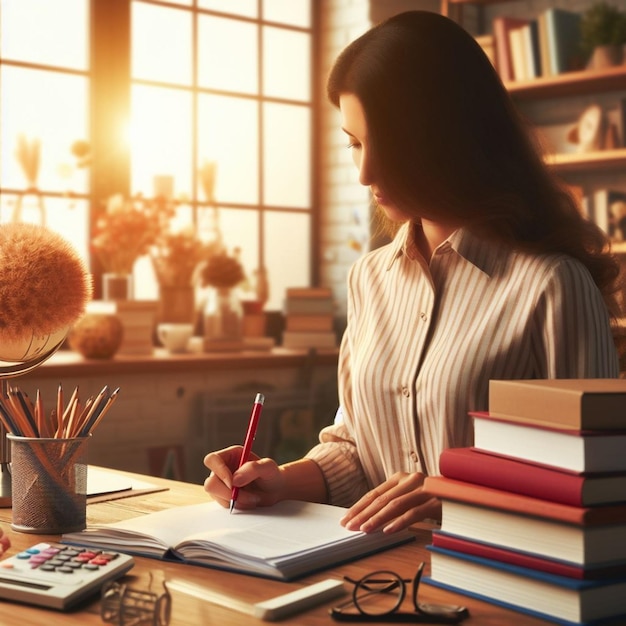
(560, 599)
(563, 33)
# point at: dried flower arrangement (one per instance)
(221, 271)
(127, 230)
(176, 257)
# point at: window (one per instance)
(163, 92)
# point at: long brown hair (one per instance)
(450, 144)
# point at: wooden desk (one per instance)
(190, 611)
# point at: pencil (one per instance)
(86, 420)
(89, 428)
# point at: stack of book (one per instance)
(530, 48)
(138, 319)
(534, 514)
(309, 318)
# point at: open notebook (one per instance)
(285, 541)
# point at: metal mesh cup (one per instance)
(49, 484)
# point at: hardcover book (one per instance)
(584, 404)
(502, 25)
(547, 596)
(563, 29)
(526, 559)
(565, 449)
(587, 536)
(471, 465)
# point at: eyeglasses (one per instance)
(378, 597)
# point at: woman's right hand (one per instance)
(260, 481)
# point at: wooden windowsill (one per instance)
(68, 363)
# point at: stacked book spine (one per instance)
(309, 318)
(534, 514)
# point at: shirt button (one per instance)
(423, 316)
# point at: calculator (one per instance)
(56, 576)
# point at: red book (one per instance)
(486, 497)
(579, 490)
(502, 25)
(525, 559)
(586, 536)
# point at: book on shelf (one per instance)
(609, 212)
(559, 567)
(517, 47)
(593, 403)
(531, 48)
(497, 472)
(487, 43)
(309, 339)
(544, 47)
(313, 322)
(284, 541)
(566, 449)
(587, 536)
(502, 25)
(563, 37)
(543, 595)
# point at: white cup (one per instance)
(175, 337)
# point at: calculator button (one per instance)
(65, 569)
(99, 561)
(91, 567)
(46, 567)
(24, 555)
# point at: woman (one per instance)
(492, 273)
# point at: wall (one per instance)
(163, 423)
(345, 209)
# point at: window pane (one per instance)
(287, 155)
(293, 12)
(240, 231)
(160, 135)
(227, 55)
(67, 217)
(287, 253)
(48, 106)
(287, 56)
(44, 32)
(228, 133)
(245, 8)
(161, 44)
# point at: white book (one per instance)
(284, 541)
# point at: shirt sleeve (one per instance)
(573, 336)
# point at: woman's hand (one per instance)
(259, 480)
(5, 542)
(394, 505)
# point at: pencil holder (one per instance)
(49, 484)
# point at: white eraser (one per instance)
(299, 600)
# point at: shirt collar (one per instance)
(484, 255)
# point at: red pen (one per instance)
(247, 445)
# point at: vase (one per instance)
(117, 286)
(177, 304)
(223, 314)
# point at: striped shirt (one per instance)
(423, 340)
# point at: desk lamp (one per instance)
(44, 289)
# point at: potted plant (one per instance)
(603, 35)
